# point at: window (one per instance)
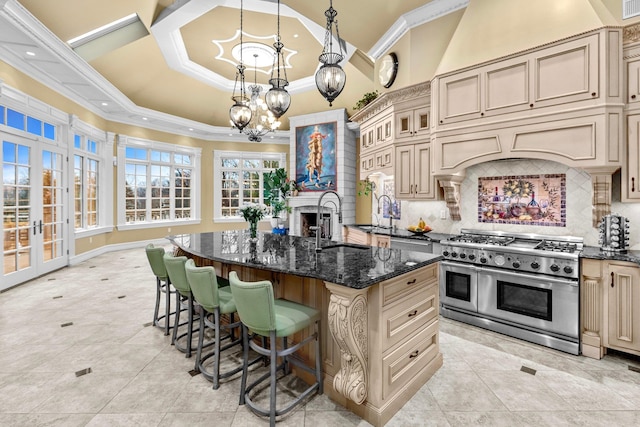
(88, 158)
(159, 182)
(20, 121)
(238, 179)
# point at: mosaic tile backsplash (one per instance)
(578, 203)
(511, 199)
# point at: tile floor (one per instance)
(138, 379)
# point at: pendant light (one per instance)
(277, 98)
(330, 77)
(240, 113)
(262, 120)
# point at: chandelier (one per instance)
(262, 120)
(277, 98)
(330, 77)
(240, 112)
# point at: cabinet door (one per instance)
(403, 173)
(423, 182)
(633, 81)
(624, 307)
(459, 97)
(630, 176)
(421, 121)
(568, 72)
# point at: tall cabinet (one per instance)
(395, 139)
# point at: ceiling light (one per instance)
(29, 53)
(104, 104)
(277, 98)
(330, 77)
(262, 120)
(240, 113)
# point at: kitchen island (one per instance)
(380, 306)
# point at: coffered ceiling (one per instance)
(179, 73)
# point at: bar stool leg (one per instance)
(176, 321)
(201, 331)
(245, 362)
(216, 356)
(156, 310)
(274, 366)
(168, 307)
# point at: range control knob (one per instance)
(535, 265)
(516, 264)
(445, 253)
(568, 269)
(483, 260)
(472, 257)
(499, 260)
(454, 254)
(554, 267)
(463, 256)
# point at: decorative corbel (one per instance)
(349, 328)
(451, 186)
(601, 185)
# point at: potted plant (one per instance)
(276, 184)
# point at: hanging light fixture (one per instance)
(240, 113)
(330, 77)
(262, 120)
(277, 98)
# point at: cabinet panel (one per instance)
(567, 73)
(402, 319)
(630, 174)
(633, 81)
(624, 307)
(423, 181)
(507, 87)
(460, 96)
(413, 178)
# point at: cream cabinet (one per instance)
(633, 81)
(623, 307)
(610, 307)
(411, 123)
(631, 174)
(563, 73)
(413, 178)
(353, 235)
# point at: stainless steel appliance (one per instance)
(613, 233)
(522, 285)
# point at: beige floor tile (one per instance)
(462, 391)
(205, 419)
(126, 420)
(45, 420)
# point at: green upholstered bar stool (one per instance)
(212, 302)
(163, 286)
(175, 266)
(266, 316)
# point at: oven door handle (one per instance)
(503, 273)
(470, 267)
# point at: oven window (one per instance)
(458, 286)
(525, 300)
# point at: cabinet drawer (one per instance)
(401, 365)
(408, 315)
(398, 287)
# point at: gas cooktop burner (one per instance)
(552, 246)
(482, 239)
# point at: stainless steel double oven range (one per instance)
(522, 285)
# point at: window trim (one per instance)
(217, 177)
(105, 176)
(125, 141)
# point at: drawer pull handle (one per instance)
(414, 354)
(633, 184)
(413, 313)
(411, 282)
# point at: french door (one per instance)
(34, 219)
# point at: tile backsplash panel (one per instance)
(579, 207)
(511, 199)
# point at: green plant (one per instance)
(278, 206)
(276, 185)
(366, 99)
(366, 187)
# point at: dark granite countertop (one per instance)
(355, 266)
(594, 252)
(431, 236)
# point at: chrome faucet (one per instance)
(317, 227)
(390, 211)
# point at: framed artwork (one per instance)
(316, 168)
(523, 199)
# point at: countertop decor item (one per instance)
(613, 233)
(252, 213)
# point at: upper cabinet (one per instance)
(412, 122)
(560, 74)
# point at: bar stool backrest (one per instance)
(177, 274)
(155, 256)
(255, 304)
(204, 285)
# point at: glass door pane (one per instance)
(51, 223)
